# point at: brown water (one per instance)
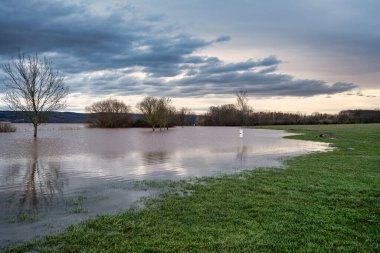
(72, 172)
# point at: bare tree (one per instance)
(34, 88)
(183, 116)
(157, 112)
(223, 115)
(148, 108)
(242, 105)
(165, 112)
(109, 113)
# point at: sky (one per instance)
(289, 55)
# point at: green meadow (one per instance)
(320, 202)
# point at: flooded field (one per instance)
(72, 172)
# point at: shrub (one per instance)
(109, 113)
(6, 127)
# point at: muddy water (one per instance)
(72, 172)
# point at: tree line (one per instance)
(241, 114)
(159, 113)
(229, 115)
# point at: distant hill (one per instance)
(54, 117)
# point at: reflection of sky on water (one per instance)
(38, 176)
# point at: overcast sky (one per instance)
(290, 55)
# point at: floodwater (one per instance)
(72, 172)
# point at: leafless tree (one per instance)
(157, 112)
(165, 112)
(109, 113)
(242, 105)
(223, 115)
(148, 107)
(34, 88)
(183, 116)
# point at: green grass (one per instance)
(322, 202)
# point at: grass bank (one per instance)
(322, 202)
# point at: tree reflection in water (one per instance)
(40, 183)
(241, 155)
(152, 158)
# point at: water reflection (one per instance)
(152, 158)
(34, 184)
(241, 155)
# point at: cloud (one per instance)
(257, 83)
(210, 76)
(214, 65)
(269, 61)
(333, 39)
(268, 70)
(223, 38)
(78, 40)
(124, 52)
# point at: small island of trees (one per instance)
(155, 113)
(110, 113)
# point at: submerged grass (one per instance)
(75, 204)
(321, 202)
(26, 216)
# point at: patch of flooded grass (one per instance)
(77, 209)
(24, 217)
(75, 204)
(77, 200)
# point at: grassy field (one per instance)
(322, 202)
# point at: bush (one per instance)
(109, 113)
(6, 127)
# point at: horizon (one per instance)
(202, 114)
(296, 57)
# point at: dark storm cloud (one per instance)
(47, 26)
(212, 76)
(126, 53)
(82, 41)
(257, 83)
(214, 65)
